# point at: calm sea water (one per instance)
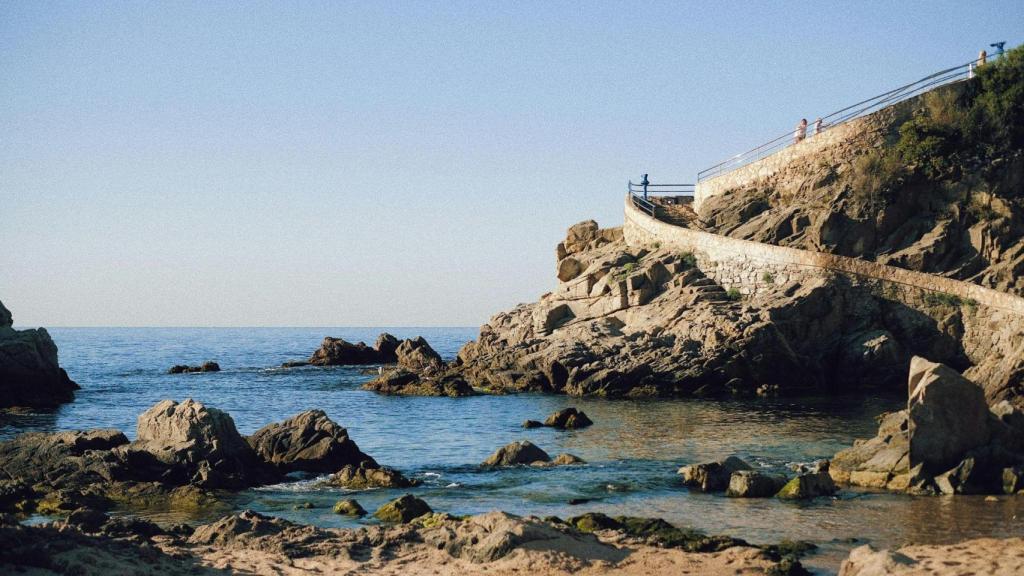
(633, 450)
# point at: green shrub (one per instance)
(688, 259)
(942, 299)
(733, 294)
(768, 277)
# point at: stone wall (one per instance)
(765, 167)
(741, 264)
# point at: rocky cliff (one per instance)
(934, 184)
(30, 375)
(629, 320)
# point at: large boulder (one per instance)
(712, 476)
(806, 486)
(308, 442)
(948, 416)
(754, 484)
(579, 235)
(30, 375)
(521, 452)
(188, 443)
(416, 354)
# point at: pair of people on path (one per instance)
(801, 130)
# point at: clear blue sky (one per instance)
(378, 163)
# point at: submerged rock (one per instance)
(567, 419)
(349, 507)
(403, 509)
(402, 382)
(208, 366)
(308, 442)
(521, 452)
(30, 374)
(370, 475)
(712, 476)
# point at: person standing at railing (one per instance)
(644, 182)
(801, 131)
(817, 126)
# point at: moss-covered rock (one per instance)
(807, 486)
(403, 509)
(349, 507)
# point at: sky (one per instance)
(391, 163)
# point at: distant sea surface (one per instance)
(633, 450)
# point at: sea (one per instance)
(633, 450)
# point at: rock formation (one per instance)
(568, 419)
(30, 375)
(307, 442)
(647, 321)
(339, 352)
(712, 476)
(182, 454)
(188, 443)
(208, 366)
(403, 509)
(521, 452)
(946, 440)
(368, 474)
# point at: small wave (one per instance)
(306, 485)
(454, 485)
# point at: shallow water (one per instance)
(633, 450)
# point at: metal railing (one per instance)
(862, 108)
(639, 193)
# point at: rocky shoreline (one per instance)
(89, 542)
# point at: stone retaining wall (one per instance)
(768, 165)
(751, 266)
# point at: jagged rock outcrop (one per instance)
(30, 375)
(947, 440)
(307, 442)
(340, 352)
(417, 355)
(648, 321)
